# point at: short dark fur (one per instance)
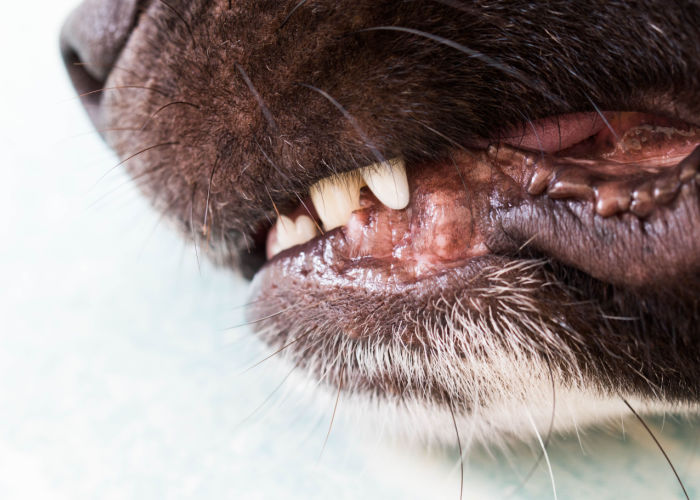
(229, 120)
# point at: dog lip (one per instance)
(503, 214)
(613, 200)
(553, 134)
(420, 240)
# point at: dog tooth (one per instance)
(290, 233)
(690, 165)
(642, 200)
(335, 198)
(612, 198)
(273, 250)
(571, 182)
(306, 228)
(388, 182)
(541, 177)
(665, 189)
(286, 233)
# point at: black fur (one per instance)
(218, 109)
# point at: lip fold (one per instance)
(619, 221)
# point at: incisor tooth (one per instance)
(286, 233)
(306, 228)
(290, 233)
(335, 198)
(388, 182)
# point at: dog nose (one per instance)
(91, 40)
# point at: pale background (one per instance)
(119, 376)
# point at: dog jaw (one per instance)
(227, 115)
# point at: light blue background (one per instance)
(118, 375)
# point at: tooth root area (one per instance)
(293, 232)
(335, 198)
(388, 182)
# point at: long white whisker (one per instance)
(544, 451)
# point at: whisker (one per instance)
(181, 18)
(268, 398)
(126, 196)
(131, 157)
(251, 303)
(126, 183)
(192, 230)
(529, 240)
(474, 54)
(150, 118)
(274, 165)
(602, 116)
(461, 456)
(259, 320)
(537, 136)
(206, 205)
(269, 160)
(335, 409)
(274, 205)
(351, 119)
(544, 452)
(320, 229)
(532, 470)
(123, 87)
(265, 110)
(291, 12)
(658, 445)
(158, 222)
(285, 346)
(443, 136)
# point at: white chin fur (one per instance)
(505, 420)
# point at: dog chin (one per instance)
(532, 409)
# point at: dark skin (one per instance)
(226, 113)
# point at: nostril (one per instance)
(87, 86)
(92, 39)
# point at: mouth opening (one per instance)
(402, 221)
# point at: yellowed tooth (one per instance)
(388, 182)
(273, 250)
(306, 228)
(335, 198)
(286, 233)
(290, 233)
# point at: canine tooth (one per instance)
(388, 182)
(335, 198)
(290, 233)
